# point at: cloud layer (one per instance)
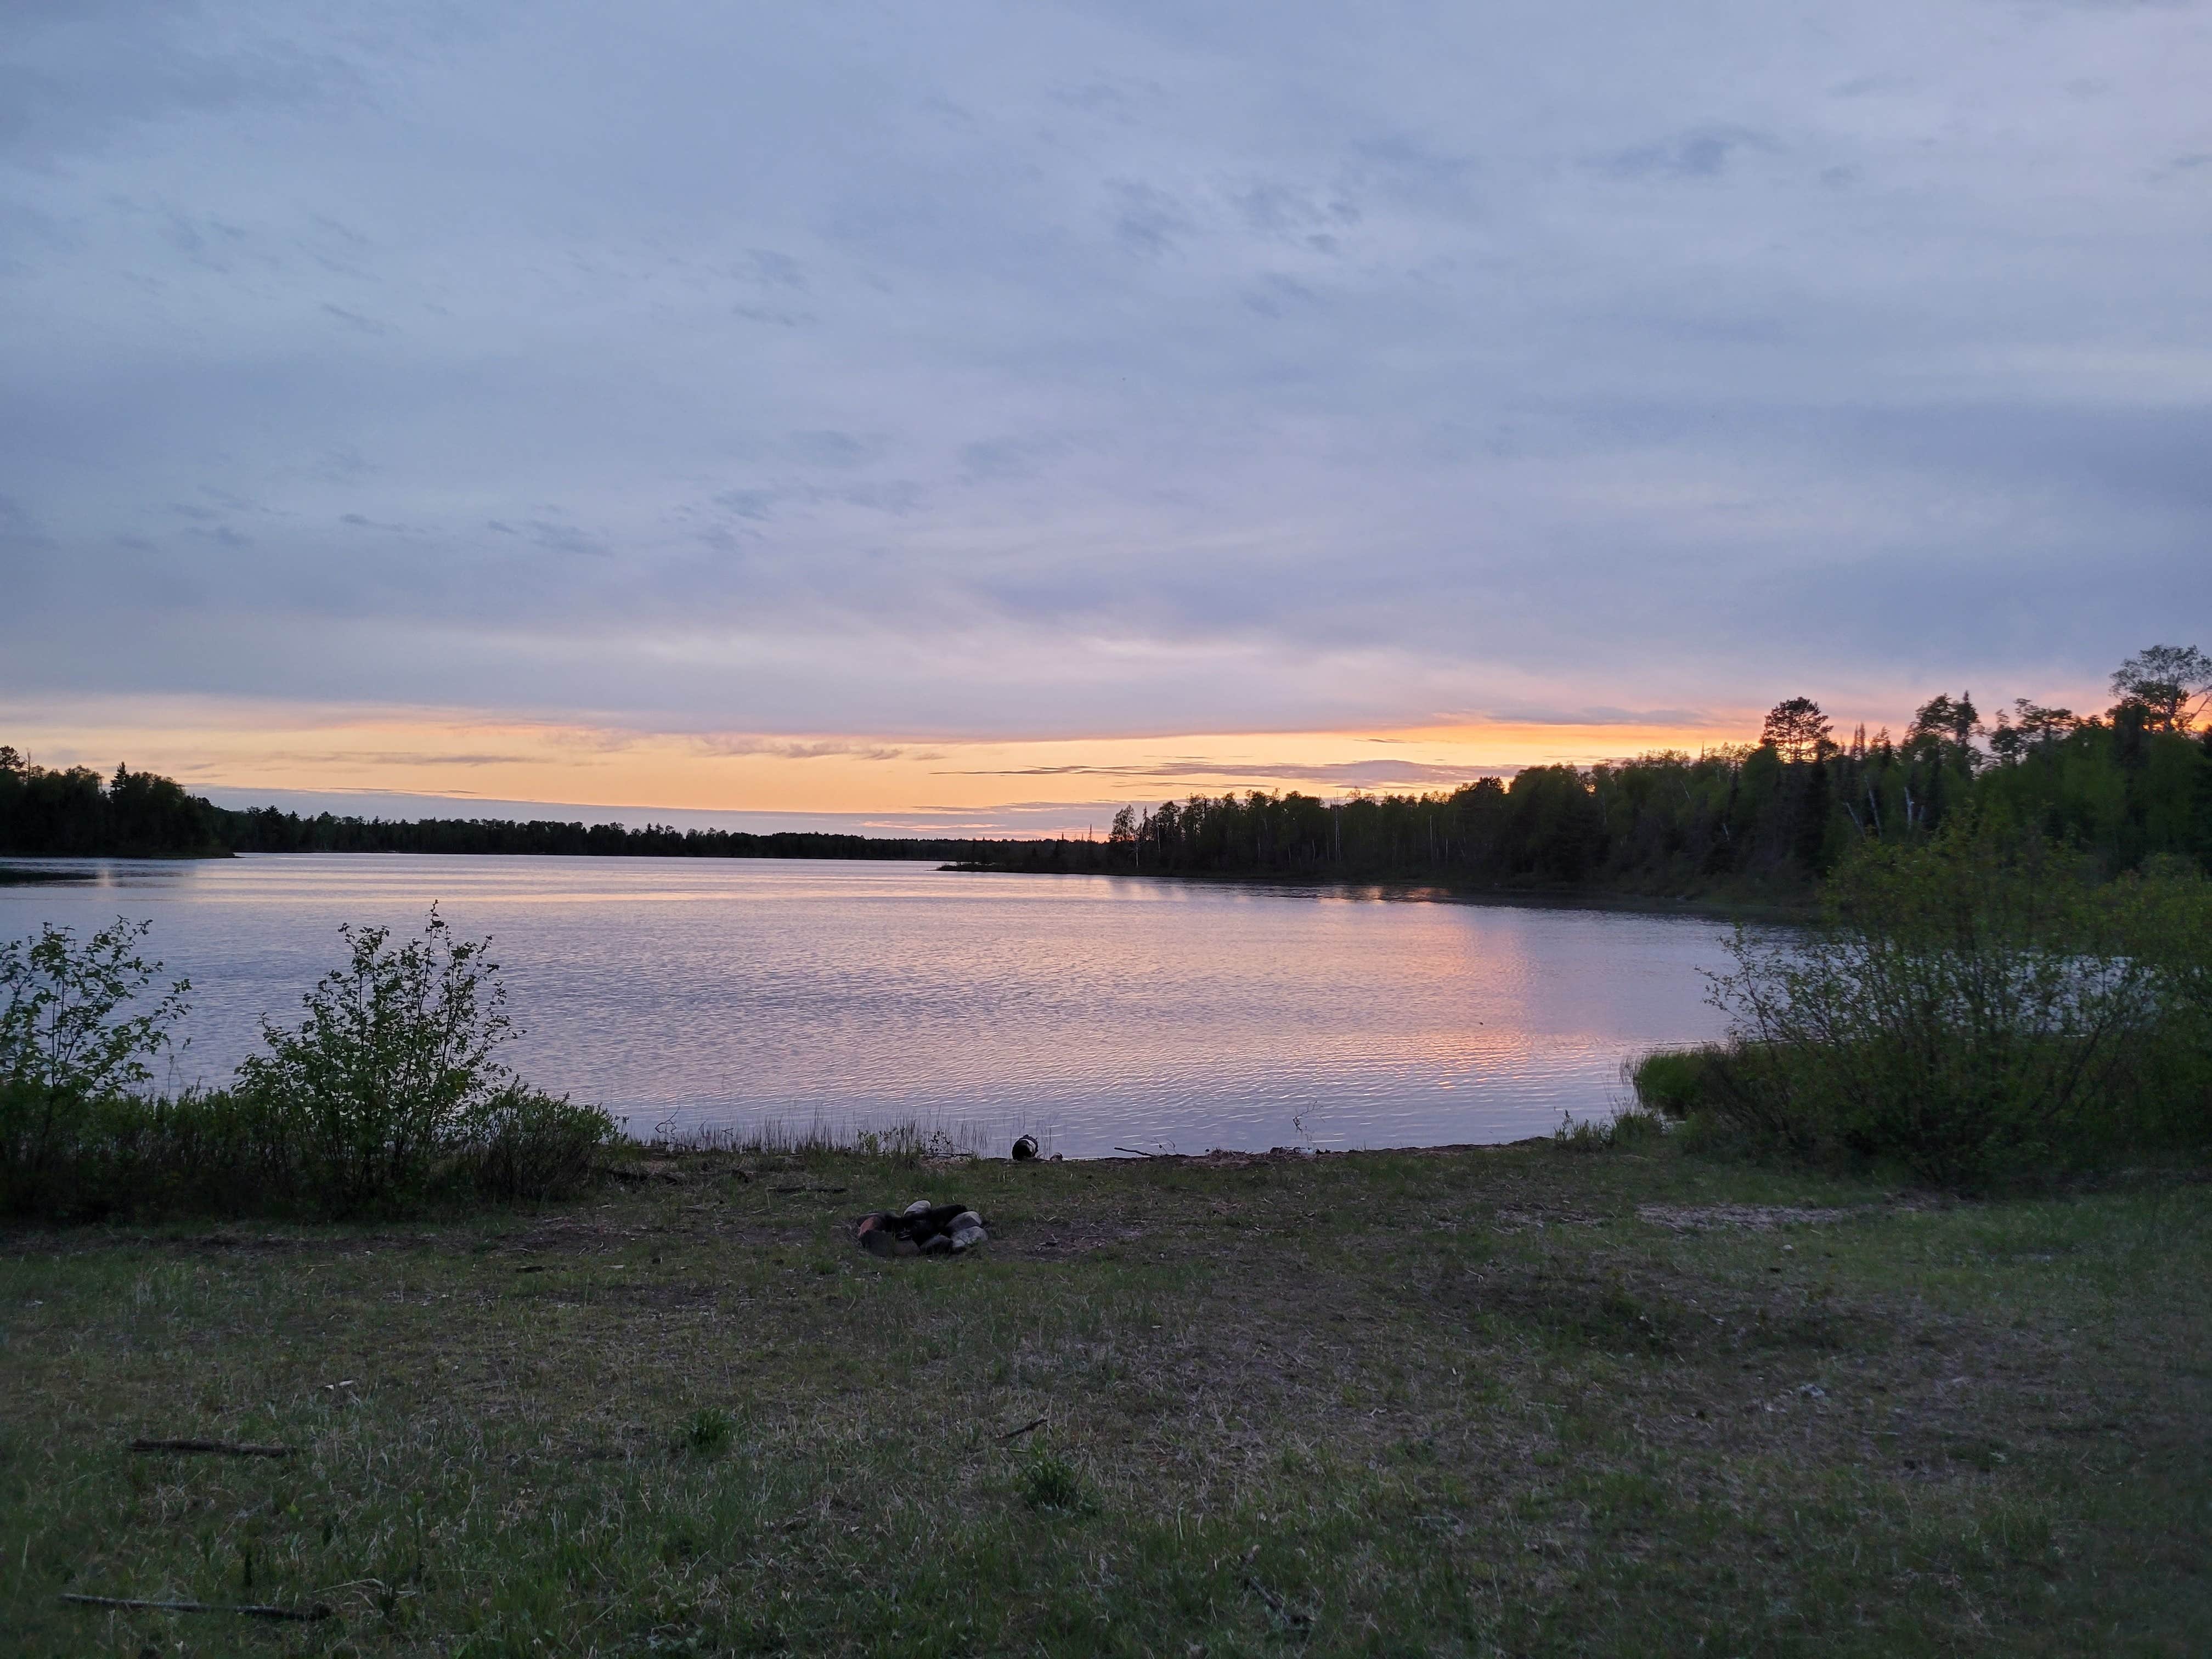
(979, 372)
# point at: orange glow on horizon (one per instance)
(461, 754)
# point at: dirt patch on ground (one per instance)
(1050, 1240)
(1246, 1160)
(570, 1238)
(1754, 1218)
(1580, 1303)
(1518, 1221)
(641, 1293)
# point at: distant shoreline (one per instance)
(18, 872)
(1409, 888)
(1745, 831)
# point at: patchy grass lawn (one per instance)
(1508, 1401)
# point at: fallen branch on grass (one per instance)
(301, 1615)
(1016, 1434)
(1289, 1615)
(1133, 1152)
(221, 1448)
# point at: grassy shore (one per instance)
(1518, 1400)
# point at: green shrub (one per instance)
(391, 1066)
(1975, 1007)
(1635, 1128)
(1670, 1082)
(61, 1029)
(522, 1143)
(388, 1093)
(69, 1051)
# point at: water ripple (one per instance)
(1113, 1012)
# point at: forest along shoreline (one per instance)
(1761, 823)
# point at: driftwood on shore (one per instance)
(250, 1610)
(219, 1448)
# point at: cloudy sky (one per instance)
(905, 414)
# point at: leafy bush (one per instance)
(393, 1062)
(387, 1092)
(69, 1047)
(1975, 1005)
(60, 1031)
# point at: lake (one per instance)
(1096, 1011)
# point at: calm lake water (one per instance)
(1098, 1012)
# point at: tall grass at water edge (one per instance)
(908, 1142)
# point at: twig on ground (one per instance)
(302, 1615)
(221, 1448)
(1133, 1152)
(1016, 1434)
(1289, 1615)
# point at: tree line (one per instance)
(73, 811)
(265, 829)
(2128, 785)
(1770, 817)
(67, 811)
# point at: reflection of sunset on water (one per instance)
(1110, 1010)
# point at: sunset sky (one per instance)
(976, 417)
